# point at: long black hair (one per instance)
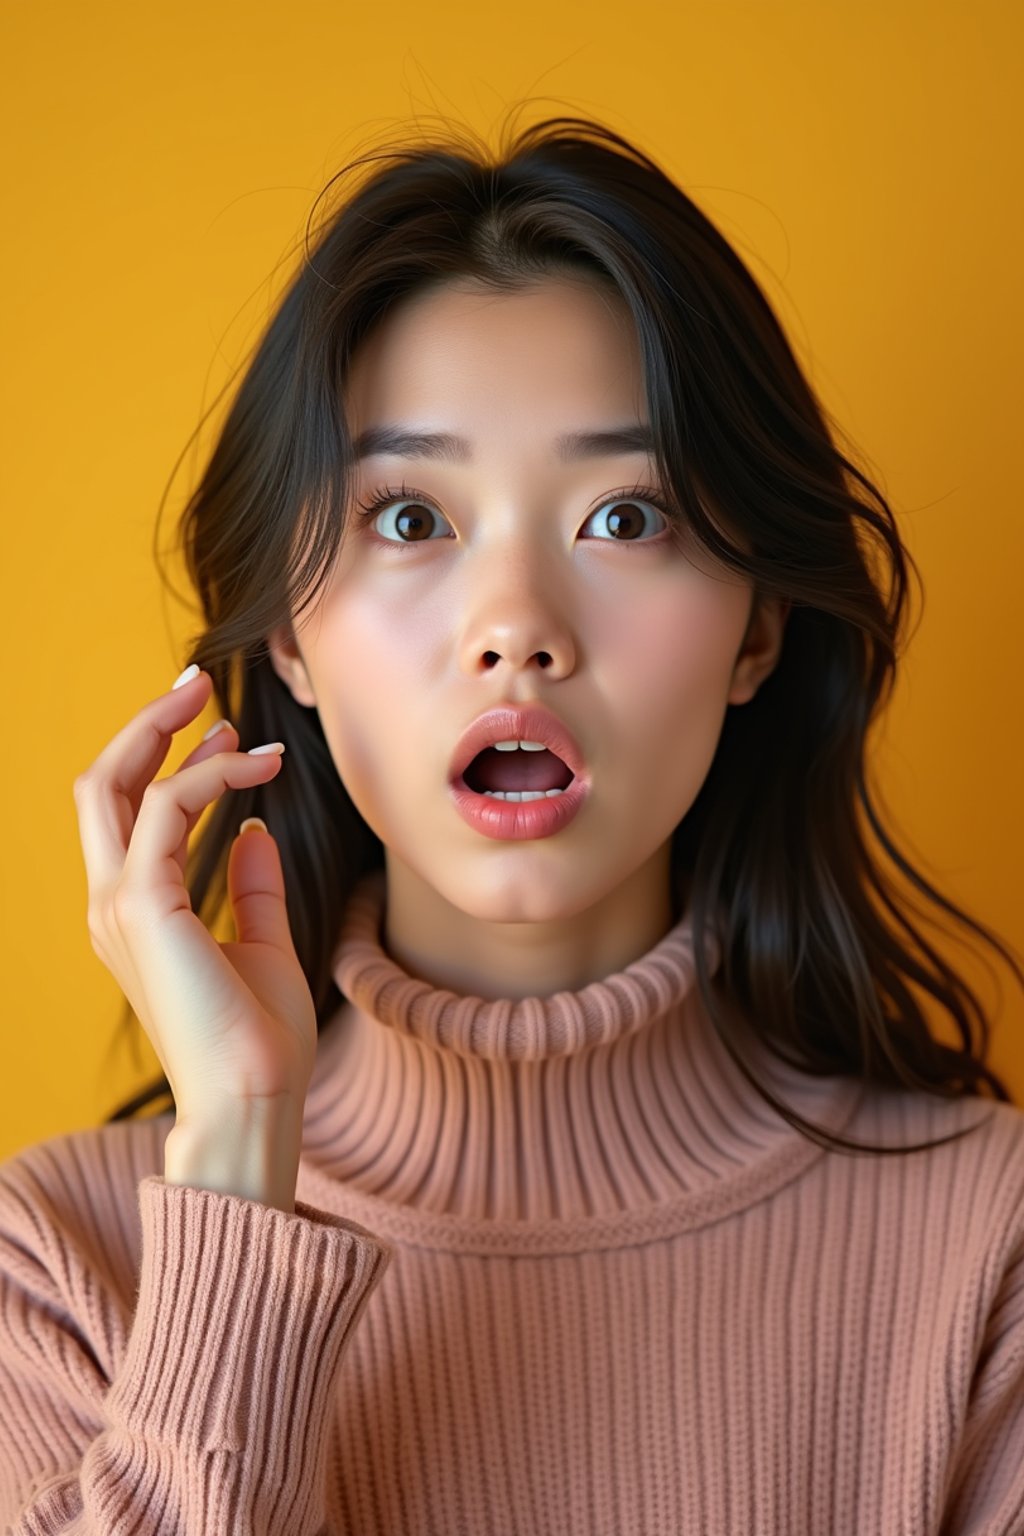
(820, 955)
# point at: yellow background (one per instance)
(160, 163)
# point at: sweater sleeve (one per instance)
(206, 1409)
(985, 1494)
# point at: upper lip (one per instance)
(529, 722)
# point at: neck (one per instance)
(593, 1102)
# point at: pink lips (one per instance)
(518, 821)
(530, 722)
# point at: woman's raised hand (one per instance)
(234, 1023)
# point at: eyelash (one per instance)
(385, 495)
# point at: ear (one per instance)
(286, 660)
(761, 648)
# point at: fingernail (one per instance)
(187, 676)
(272, 746)
(217, 726)
(253, 823)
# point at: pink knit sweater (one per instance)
(554, 1267)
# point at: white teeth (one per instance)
(527, 746)
(523, 794)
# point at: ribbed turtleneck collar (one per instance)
(614, 1099)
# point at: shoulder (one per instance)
(969, 1191)
(78, 1193)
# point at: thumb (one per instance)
(256, 888)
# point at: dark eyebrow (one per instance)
(637, 438)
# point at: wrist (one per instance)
(250, 1149)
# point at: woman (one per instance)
(509, 1186)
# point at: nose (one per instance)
(515, 650)
(517, 624)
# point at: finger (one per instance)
(256, 890)
(109, 793)
(152, 869)
(222, 737)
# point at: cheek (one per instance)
(370, 685)
(664, 681)
(675, 653)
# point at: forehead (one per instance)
(561, 354)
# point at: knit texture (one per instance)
(555, 1267)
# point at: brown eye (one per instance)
(413, 523)
(413, 515)
(627, 519)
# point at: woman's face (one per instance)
(499, 578)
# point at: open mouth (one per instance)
(519, 771)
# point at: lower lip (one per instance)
(518, 820)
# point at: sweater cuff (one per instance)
(242, 1316)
